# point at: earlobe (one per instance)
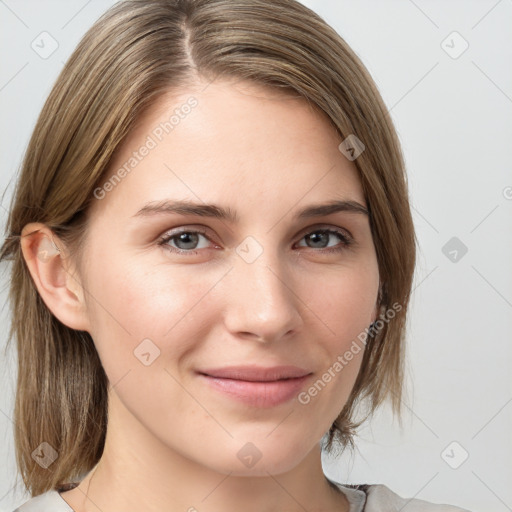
(53, 275)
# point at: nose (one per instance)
(262, 303)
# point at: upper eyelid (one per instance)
(327, 227)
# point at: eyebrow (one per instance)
(167, 207)
(218, 212)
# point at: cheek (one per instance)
(169, 305)
(160, 312)
(345, 303)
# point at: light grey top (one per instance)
(362, 498)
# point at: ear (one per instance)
(54, 276)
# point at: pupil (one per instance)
(317, 237)
(185, 238)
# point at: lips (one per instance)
(257, 373)
(257, 386)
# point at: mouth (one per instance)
(257, 386)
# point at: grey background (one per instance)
(453, 114)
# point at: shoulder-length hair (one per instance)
(136, 52)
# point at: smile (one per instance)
(257, 390)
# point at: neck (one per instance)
(137, 472)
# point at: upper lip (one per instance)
(256, 373)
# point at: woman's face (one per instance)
(259, 286)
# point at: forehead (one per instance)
(232, 142)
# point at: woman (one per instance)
(212, 254)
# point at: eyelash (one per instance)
(345, 239)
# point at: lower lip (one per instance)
(258, 394)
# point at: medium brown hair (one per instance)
(136, 52)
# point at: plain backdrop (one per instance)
(444, 69)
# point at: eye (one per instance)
(189, 241)
(319, 239)
(186, 241)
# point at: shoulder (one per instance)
(50, 501)
(381, 498)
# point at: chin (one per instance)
(261, 457)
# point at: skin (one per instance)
(172, 441)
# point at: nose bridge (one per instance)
(262, 301)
